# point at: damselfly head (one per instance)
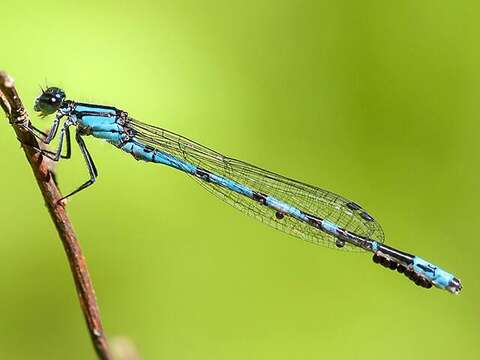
(49, 101)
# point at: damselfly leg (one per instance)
(45, 138)
(92, 170)
(57, 154)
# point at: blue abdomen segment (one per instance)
(330, 227)
(285, 208)
(145, 153)
(230, 184)
(436, 275)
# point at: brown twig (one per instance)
(13, 107)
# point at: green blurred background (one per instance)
(375, 100)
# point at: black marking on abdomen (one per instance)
(203, 174)
(426, 268)
(352, 238)
(314, 221)
(148, 149)
(401, 256)
(261, 198)
(342, 236)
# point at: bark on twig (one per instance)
(13, 107)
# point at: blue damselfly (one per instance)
(302, 210)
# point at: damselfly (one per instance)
(302, 210)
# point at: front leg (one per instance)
(57, 155)
(40, 135)
(92, 170)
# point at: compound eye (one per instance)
(49, 101)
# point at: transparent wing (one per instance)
(310, 199)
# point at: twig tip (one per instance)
(7, 80)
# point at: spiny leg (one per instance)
(57, 155)
(64, 133)
(32, 129)
(47, 138)
(92, 170)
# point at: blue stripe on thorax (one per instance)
(80, 107)
(99, 123)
